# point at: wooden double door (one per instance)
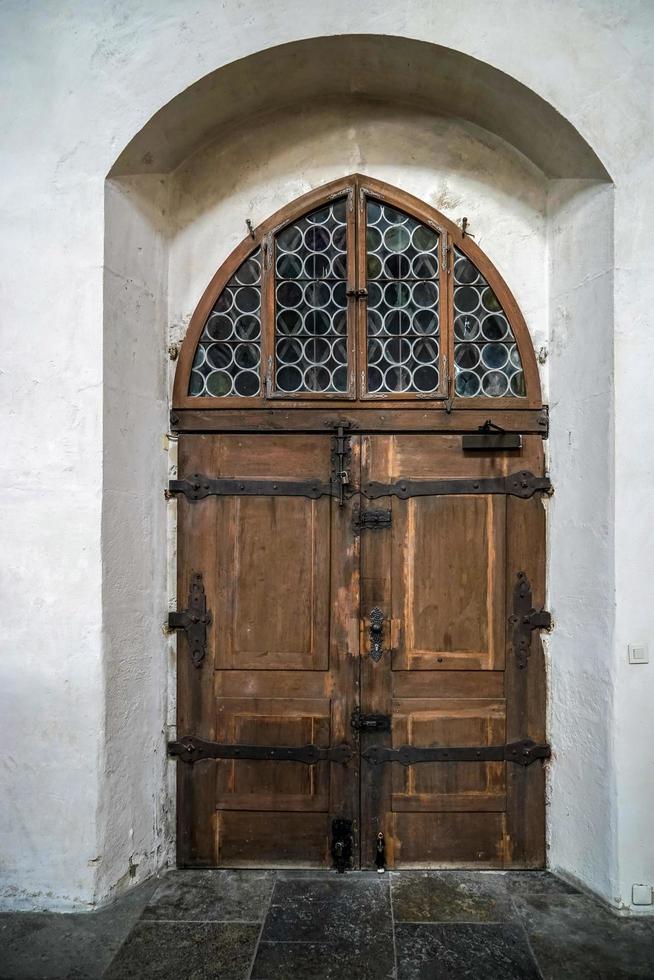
(358, 647)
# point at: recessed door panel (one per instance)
(274, 604)
(448, 596)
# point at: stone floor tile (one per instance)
(321, 961)
(67, 946)
(538, 883)
(186, 951)
(450, 896)
(573, 937)
(344, 910)
(218, 896)
(463, 952)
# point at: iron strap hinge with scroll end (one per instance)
(523, 753)
(523, 484)
(191, 749)
(526, 619)
(194, 620)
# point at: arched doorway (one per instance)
(361, 547)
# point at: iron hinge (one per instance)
(194, 620)
(526, 619)
(522, 753)
(370, 520)
(191, 749)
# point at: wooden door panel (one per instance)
(450, 677)
(264, 785)
(279, 669)
(448, 582)
(271, 840)
(273, 607)
(449, 722)
(446, 840)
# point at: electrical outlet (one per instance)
(641, 894)
(638, 653)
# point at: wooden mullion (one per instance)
(268, 315)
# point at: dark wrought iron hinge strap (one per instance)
(197, 486)
(523, 753)
(522, 484)
(192, 749)
(525, 619)
(194, 620)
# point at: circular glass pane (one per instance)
(289, 266)
(246, 383)
(425, 321)
(424, 239)
(466, 327)
(219, 355)
(196, 384)
(495, 356)
(375, 379)
(219, 384)
(289, 379)
(249, 272)
(494, 327)
(219, 326)
(397, 322)
(464, 271)
(425, 378)
(289, 294)
(467, 384)
(289, 321)
(316, 378)
(466, 299)
(494, 384)
(247, 327)
(397, 238)
(289, 351)
(466, 356)
(425, 294)
(246, 356)
(290, 239)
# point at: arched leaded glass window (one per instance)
(228, 356)
(357, 292)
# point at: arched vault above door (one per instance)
(357, 294)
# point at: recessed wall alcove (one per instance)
(237, 146)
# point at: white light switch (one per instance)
(641, 894)
(638, 653)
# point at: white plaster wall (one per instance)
(580, 653)
(81, 78)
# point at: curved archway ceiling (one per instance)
(409, 299)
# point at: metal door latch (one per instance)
(380, 853)
(194, 620)
(376, 634)
(369, 723)
(370, 519)
(342, 844)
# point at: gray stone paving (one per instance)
(261, 925)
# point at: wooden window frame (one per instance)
(357, 188)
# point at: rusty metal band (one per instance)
(522, 484)
(190, 749)
(197, 486)
(523, 753)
